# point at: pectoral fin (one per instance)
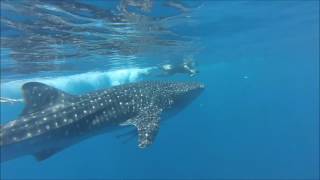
(127, 136)
(45, 154)
(147, 124)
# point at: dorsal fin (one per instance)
(38, 96)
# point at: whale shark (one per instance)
(53, 120)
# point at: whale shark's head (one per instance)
(183, 93)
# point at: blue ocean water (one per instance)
(258, 117)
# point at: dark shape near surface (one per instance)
(54, 120)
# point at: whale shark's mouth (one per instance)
(79, 83)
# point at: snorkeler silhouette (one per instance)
(187, 67)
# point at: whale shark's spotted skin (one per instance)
(53, 120)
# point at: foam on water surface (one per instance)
(77, 83)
